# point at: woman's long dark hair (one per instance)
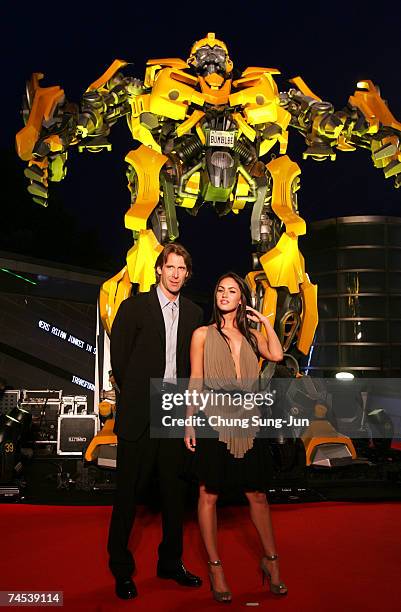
(241, 318)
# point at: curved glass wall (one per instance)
(356, 263)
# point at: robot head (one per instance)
(209, 56)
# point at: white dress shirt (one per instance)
(170, 310)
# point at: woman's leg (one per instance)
(260, 515)
(208, 527)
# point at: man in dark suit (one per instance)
(150, 338)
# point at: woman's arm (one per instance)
(269, 346)
(196, 352)
(196, 380)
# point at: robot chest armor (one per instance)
(174, 91)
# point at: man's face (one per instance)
(172, 275)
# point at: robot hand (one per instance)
(50, 127)
(41, 171)
(382, 131)
(386, 154)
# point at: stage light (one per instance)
(344, 376)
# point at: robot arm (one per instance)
(52, 124)
(365, 122)
(103, 103)
(315, 119)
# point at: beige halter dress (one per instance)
(231, 459)
(230, 409)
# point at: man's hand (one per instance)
(190, 438)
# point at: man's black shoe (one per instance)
(180, 575)
(125, 588)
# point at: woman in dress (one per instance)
(225, 355)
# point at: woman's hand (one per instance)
(257, 317)
(190, 438)
(269, 345)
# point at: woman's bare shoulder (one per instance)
(200, 332)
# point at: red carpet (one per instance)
(334, 557)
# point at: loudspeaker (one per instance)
(9, 401)
(75, 432)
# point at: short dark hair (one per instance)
(177, 249)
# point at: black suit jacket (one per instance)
(138, 353)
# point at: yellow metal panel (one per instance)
(283, 117)
(258, 88)
(309, 318)
(254, 70)
(44, 102)
(269, 305)
(241, 190)
(258, 96)
(189, 123)
(303, 88)
(244, 127)
(212, 95)
(112, 293)
(266, 145)
(142, 134)
(378, 144)
(372, 105)
(256, 114)
(214, 79)
(54, 143)
(171, 62)
(283, 172)
(141, 260)
(250, 280)
(257, 79)
(43, 164)
(282, 264)
(201, 134)
(150, 74)
(147, 164)
(188, 203)
(192, 185)
(312, 443)
(283, 140)
(140, 104)
(343, 145)
(106, 76)
(172, 93)
(105, 436)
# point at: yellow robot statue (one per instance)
(203, 137)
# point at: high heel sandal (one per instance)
(277, 589)
(220, 596)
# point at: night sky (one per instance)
(332, 47)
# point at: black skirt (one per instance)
(213, 465)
